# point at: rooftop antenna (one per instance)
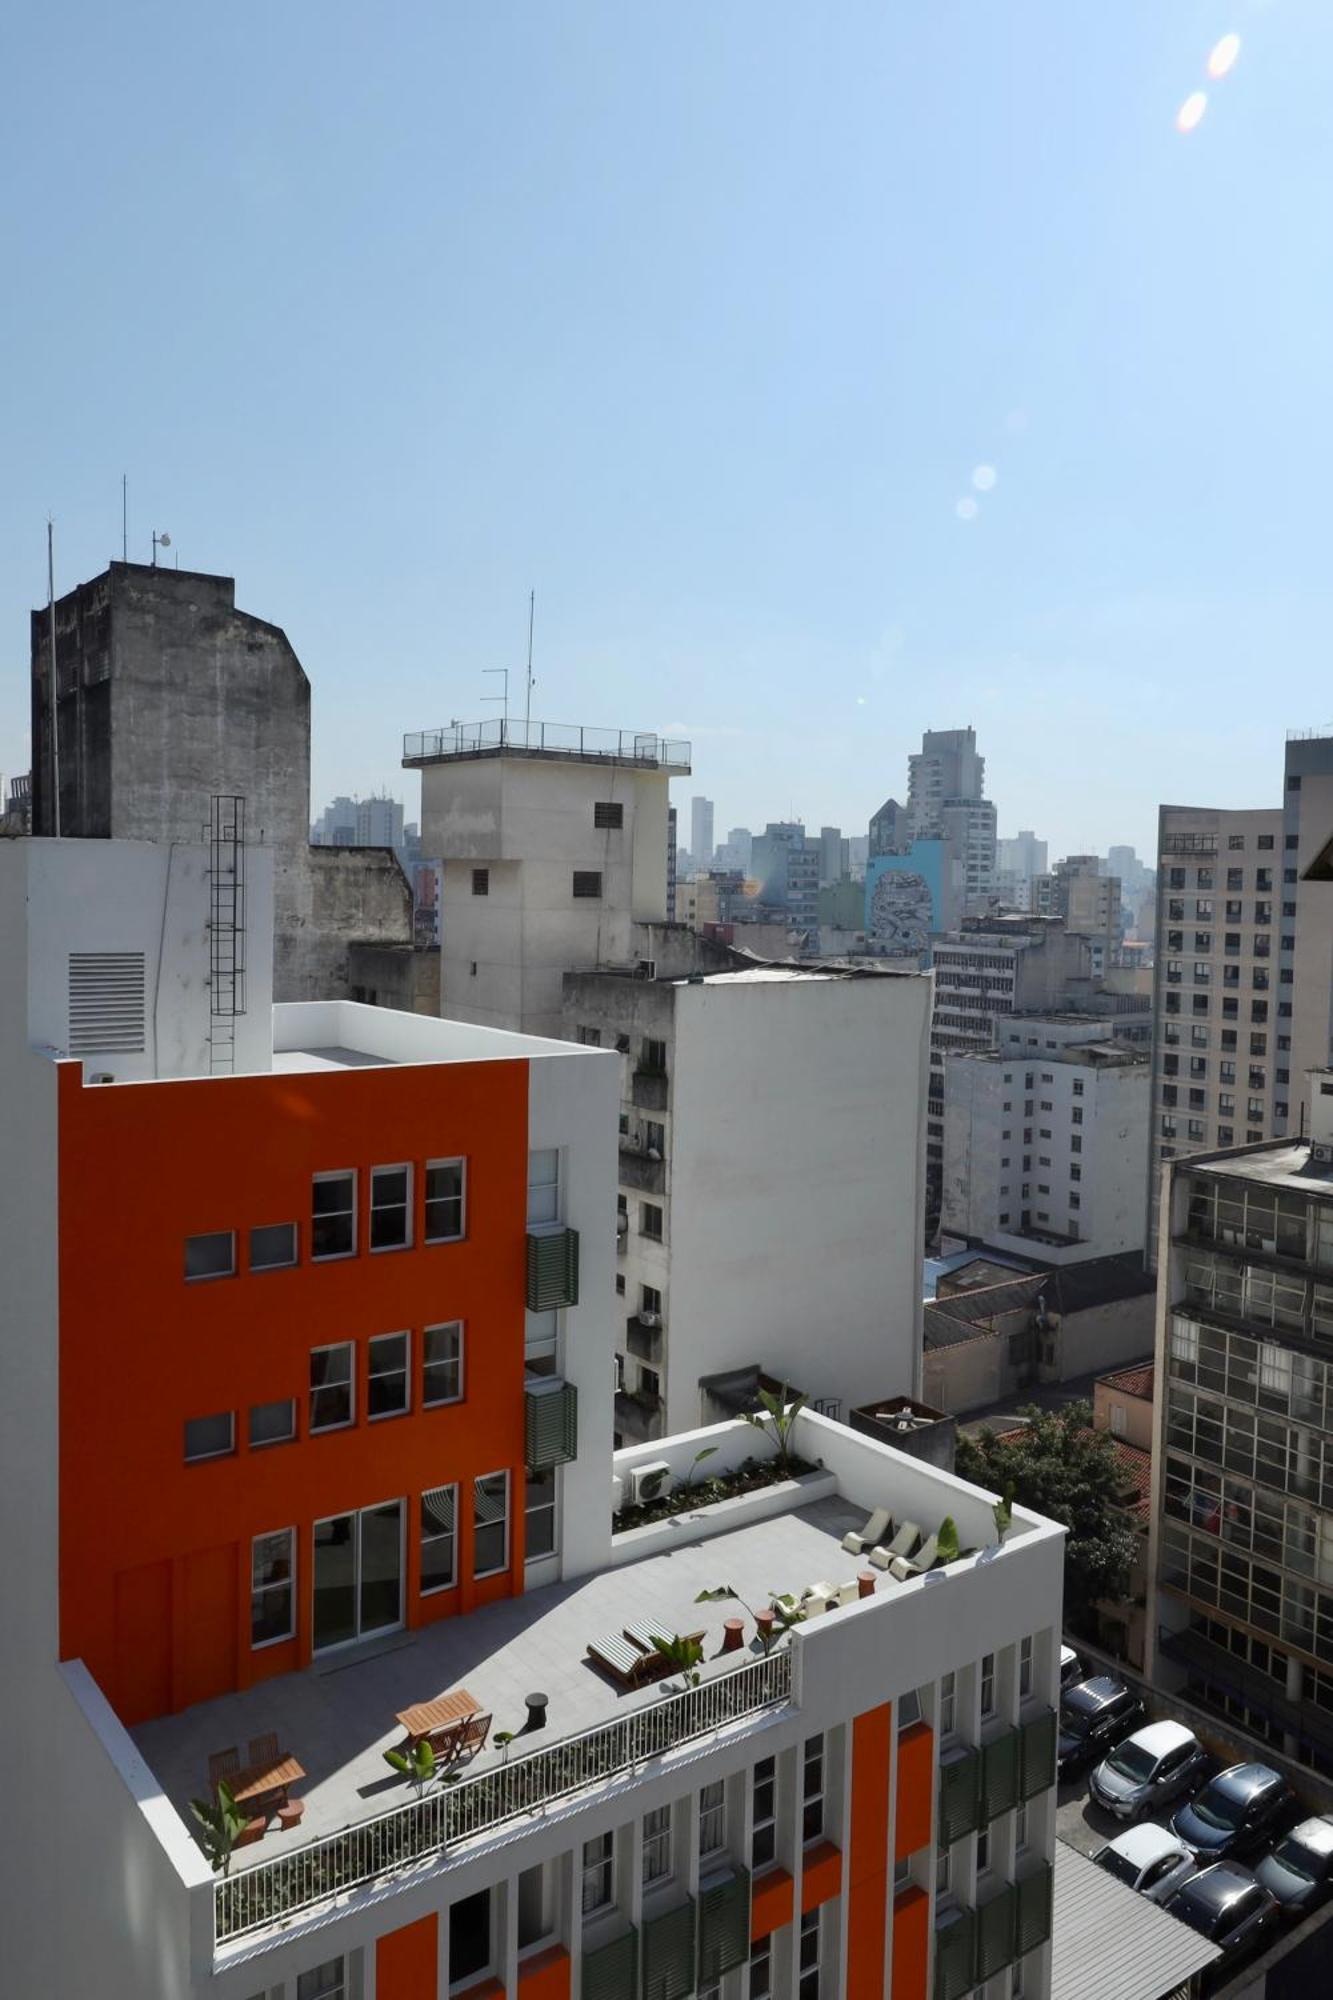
(502, 697)
(532, 613)
(159, 542)
(51, 635)
(124, 517)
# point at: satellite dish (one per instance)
(164, 541)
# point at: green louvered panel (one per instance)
(953, 1957)
(552, 1425)
(668, 1954)
(996, 1929)
(960, 1797)
(724, 1925)
(1034, 1909)
(553, 1269)
(1038, 1759)
(609, 1971)
(999, 1775)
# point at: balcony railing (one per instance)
(547, 739)
(302, 1879)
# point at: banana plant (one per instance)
(223, 1824)
(683, 1655)
(419, 1763)
(776, 1418)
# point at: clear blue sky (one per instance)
(699, 319)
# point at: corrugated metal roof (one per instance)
(1110, 1943)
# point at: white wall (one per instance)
(796, 1184)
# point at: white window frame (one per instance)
(551, 1507)
(807, 1971)
(431, 1165)
(656, 1866)
(948, 1703)
(357, 1515)
(1021, 1827)
(986, 1685)
(211, 1236)
(262, 1589)
(403, 1167)
(316, 1180)
(983, 1849)
(712, 1819)
(377, 1340)
(599, 1872)
(225, 1451)
(456, 1326)
(500, 1568)
(812, 1788)
(766, 1823)
(426, 1541)
(267, 1444)
(761, 1956)
(287, 1263)
(337, 1991)
(544, 1194)
(313, 1429)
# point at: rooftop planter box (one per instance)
(758, 1500)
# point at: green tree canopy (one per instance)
(1060, 1467)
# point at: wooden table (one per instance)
(429, 1716)
(261, 1781)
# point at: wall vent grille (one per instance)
(106, 1002)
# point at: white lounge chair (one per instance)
(902, 1544)
(904, 1567)
(874, 1531)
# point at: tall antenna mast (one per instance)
(532, 613)
(124, 517)
(51, 635)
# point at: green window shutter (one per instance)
(668, 1954)
(999, 1775)
(553, 1268)
(960, 1797)
(953, 1957)
(1034, 1909)
(997, 1923)
(609, 1971)
(552, 1423)
(1038, 1759)
(724, 1925)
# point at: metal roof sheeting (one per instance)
(1110, 1943)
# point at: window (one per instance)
(587, 882)
(442, 1363)
(650, 1221)
(211, 1256)
(943, 1872)
(712, 1819)
(650, 1300)
(325, 1982)
(983, 1850)
(590, 1038)
(209, 1437)
(656, 1845)
(490, 1524)
(543, 1186)
(272, 1587)
(445, 1205)
(470, 1947)
(1265, 840)
(481, 881)
(333, 1216)
(599, 1855)
(764, 1832)
(332, 1401)
(652, 1058)
(761, 1969)
(539, 1515)
(272, 1423)
(273, 1247)
(536, 1912)
(439, 1513)
(807, 1986)
(390, 1208)
(358, 1585)
(387, 1393)
(948, 1703)
(1025, 1668)
(812, 1790)
(1020, 1827)
(608, 813)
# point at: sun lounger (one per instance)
(902, 1544)
(848, 1593)
(624, 1662)
(904, 1567)
(873, 1532)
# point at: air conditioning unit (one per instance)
(1322, 1152)
(650, 1319)
(653, 1153)
(622, 1225)
(649, 1482)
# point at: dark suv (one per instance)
(1225, 1904)
(1234, 1813)
(1094, 1714)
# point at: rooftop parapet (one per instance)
(572, 742)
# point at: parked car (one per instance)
(1094, 1714)
(1149, 1769)
(1149, 1858)
(1299, 1871)
(1225, 1904)
(1234, 1813)
(1071, 1668)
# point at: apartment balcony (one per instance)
(642, 1170)
(1189, 843)
(645, 1342)
(648, 1090)
(644, 749)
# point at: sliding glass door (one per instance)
(358, 1575)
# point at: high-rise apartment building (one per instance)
(701, 834)
(1243, 1476)
(946, 767)
(304, 1458)
(555, 844)
(946, 802)
(1087, 899)
(734, 853)
(833, 855)
(1023, 856)
(785, 864)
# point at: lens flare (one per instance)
(984, 478)
(966, 509)
(1223, 56)
(1191, 112)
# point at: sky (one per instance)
(829, 372)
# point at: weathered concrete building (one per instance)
(167, 696)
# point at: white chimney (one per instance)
(1321, 1107)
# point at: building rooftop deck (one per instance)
(345, 1034)
(338, 1718)
(644, 749)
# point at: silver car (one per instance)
(1149, 1859)
(1148, 1769)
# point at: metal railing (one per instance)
(304, 1877)
(550, 739)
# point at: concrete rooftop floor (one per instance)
(337, 1719)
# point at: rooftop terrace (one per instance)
(571, 741)
(343, 1034)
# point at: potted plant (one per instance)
(419, 1763)
(223, 1824)
(683, 1656)
(786, 1613)
(776, 1418)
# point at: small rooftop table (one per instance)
(426, 1717)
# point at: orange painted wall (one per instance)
(407, 1961)
(141, 1168)
(915, 1790)
(868, 1858)
(546, 1975)
(821, 1875)
(911, 1944)
(772, 1902)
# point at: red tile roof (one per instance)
(1132, 1381)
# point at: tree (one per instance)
(1060, 1467)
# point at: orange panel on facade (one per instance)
(143, 1597)
(868, 1858)
(546, 1975)
(490, 1989)
(821, 1875)
(772, 1901)
(407, 1961)
(911, 1944)
(915, 1791)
